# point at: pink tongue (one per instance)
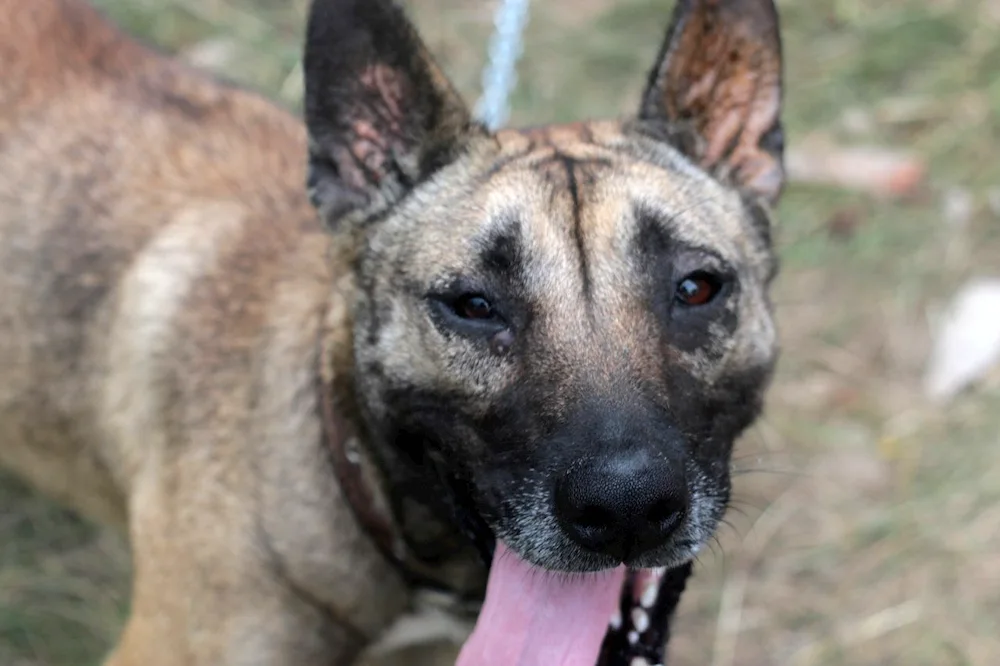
(533, 617)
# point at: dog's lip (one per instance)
(680, 550)
(674, 555)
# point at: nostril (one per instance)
(665, 513)
(587, 519)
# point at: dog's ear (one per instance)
(380, 113)
(716, 90)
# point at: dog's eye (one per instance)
(468, 313)
(698, 288)
(473, 306)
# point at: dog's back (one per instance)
(126, 181)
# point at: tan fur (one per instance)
(166, 287)
(152, 225)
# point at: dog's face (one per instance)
(564, 329)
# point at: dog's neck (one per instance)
(428, 548)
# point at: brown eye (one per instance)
(697, 289)
(474, 307)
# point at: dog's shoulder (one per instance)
(155, 211)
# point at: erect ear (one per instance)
(381, 115)
(718, 79)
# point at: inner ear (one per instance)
(380, 113)
(718, 80)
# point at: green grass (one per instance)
(870, 530)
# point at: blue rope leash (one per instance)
(500, 73)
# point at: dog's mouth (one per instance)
(534, 617)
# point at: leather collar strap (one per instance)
(373, 516)
(362, 487)
(357, 481)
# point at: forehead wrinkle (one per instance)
(603, 346)
(582, 142)
(541, 219)
(604, 215)
(551, 267)
(548, 203)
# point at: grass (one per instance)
(869, 521)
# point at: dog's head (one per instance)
(564, 328)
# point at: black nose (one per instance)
(622, 504)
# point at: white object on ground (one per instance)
(968, 340)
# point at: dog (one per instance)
(338, 377)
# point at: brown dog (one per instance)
(532, 346)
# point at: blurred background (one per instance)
(866, 524)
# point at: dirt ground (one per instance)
(867, 526)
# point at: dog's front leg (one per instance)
(209, 591)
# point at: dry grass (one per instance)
(867, 529)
